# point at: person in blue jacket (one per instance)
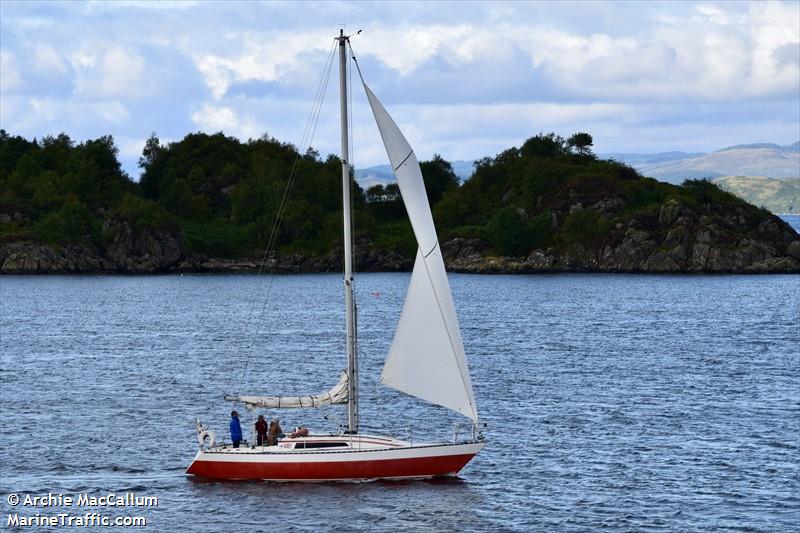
(236, 429)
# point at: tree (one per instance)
(376, 193)
(509, 232)
(72, 222)
(178, 198)
(582, 142)
(548, 146)
(392, 191)
(438, 176)
(150, 163)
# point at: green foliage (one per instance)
(12, 148)
(397, 236)
(548, 146)
(584, 226)
(218, 237)
(645, 192)
(44, 195)
(376, 193)
(776, 195)
(541, 230)
(509, 233)
(178, 198)
(143, 213)
(438, 176)
(707, 192)
(581, 142)
(225, 196)
(72, 222)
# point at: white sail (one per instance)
(427, 357)
(338, 394)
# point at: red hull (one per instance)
(385, 468)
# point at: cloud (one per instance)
(258, 58)
(464, 80)
(160, 5)
(113, 112)
(47, 59)
(110, 72)
(212, 118)
(10, 78)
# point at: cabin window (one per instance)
(309, 445)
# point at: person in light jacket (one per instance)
(236, 429)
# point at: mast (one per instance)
(352, 363)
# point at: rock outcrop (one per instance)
(675, 239)
(33, 258)
(142, 250)
(127, 249)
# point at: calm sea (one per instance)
(793, 220)
(613, 402)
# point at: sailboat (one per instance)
(426, 358)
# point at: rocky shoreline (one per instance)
(674, 240)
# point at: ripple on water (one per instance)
(620, 403)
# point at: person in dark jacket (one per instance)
(261, 430)
(236, 429)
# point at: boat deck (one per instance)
(316, 443)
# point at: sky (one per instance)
(462, 79)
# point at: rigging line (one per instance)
(308, 135)
(358, 68)
(427, 271)
(353, 186)
(279, 212)
(351, 151)
(284, 201)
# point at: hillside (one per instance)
(208, 203)
(635, 159)
(777, 196)
(742, 160)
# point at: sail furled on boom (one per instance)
(426, 358)
(338, 394)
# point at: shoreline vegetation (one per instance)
(207, 203)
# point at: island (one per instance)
(212, 203)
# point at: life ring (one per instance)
(204, 434)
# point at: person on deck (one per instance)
(236, 429)
(274, 433)
(261, 430)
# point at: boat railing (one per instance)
(458, 427)
(476, 432)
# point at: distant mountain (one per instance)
(464, 169)
(382, 174)
(795, 147)
(643, 159)
(378, 175)
(761, 159)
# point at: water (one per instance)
(793, 220)
(613, 402)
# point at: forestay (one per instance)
(338, 394)
(427, 357)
